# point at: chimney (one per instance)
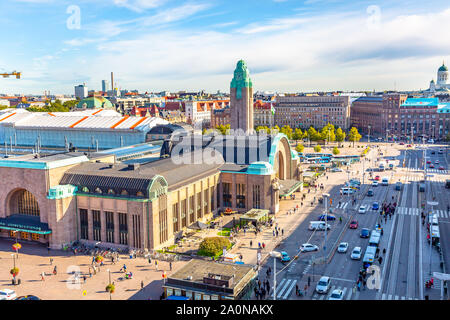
(112, 81)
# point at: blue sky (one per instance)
(289, 45)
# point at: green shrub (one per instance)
(213, 246)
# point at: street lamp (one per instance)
(275, 255)
(109, 273)
(14, 259)
(325, 196)
(368, 139)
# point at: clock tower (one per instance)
(241, 99)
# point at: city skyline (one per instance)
(156, 45)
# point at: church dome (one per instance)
(443, 68)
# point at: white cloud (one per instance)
(139, 5)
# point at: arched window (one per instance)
(27, 203)
(111, 191)
(124, 193)
(98, 190)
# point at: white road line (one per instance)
(396, 297)
(403, 298)
(344, 290)
(383, 296)
(289, 290)
(280, 293)
(280, 284)
(345, 206)
(389, 297)
(349, 296)
(322, 296)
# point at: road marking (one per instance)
(280, 293)
(350, 291)
(383, 296)
(340, 279)
(403, 298)
(396, 297)
(344, 290)
(322, 297)
(289, 290)
(390, 297)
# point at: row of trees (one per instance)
(55, 106)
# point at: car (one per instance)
(362, 209)
(402, 143)
(437, 162)
(441, 151)
(285, 257)
(375, 206)
(343, 247)
(347, 190)
(7, 294)
(336, 295)
(353, 224)
(428, 161)
(433, 152)
(328, 217)
(365, 233)
(336, 170)
(29, 297)
(307, 247)
(377, 178)
(374, 183)
(323, 285)
(356, 253)
(370, 193)
(441, 168)
(409, 146)
(355, 181)
(431, 166)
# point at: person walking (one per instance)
(156, 265)
(42, 276)
(51, 261)
(263, 291)
(296, 289)
(309, 281)
(54, 271)
(251, 244)
(384, 251)
(282, 232)
(90, 273)
(84, 279)
(170, 264)
(142, 284)
(380, 260)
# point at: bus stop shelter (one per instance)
(255, 216)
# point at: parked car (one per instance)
(323, 285)
(336, 295)
(29, 297)
(377, 178)
(409, 146)
(343, 247)
(353, 224)
(365, 233)
(431, 166)
(437, 162)
(307, 247)
(336, 170)
(7, 294)
(441, 168)
(285, 257)
(328, 217)
(356, 253)
(362, 209)
(375, 206)
(428, 161)
(441, 151)
(370, 193)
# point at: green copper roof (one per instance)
(443, 68)
(241, 78)
(95, 103)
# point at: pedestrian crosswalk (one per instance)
(307, 269)
(292, 266)
(342, 205)
(284, 289)
(428, 170)
(386, 296)
(417, 212)
(348, 293)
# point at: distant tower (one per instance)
(112, 81)
(241, 99)
(442, 75)
(104, 85)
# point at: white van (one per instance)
(434, 220)
(318, 225)
(385, 181)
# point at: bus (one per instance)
(313, 155)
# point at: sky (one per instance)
(156, 45)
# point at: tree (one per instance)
(317, 148)
(340, 135)
(327, 133)
(213, 246)
(447, 137)
(287, 130)
(275, 129)
(204, 131)
(336, 151)
(312, 135)
(299, 148)
(354, 135)
(298, 134)
(70, 104)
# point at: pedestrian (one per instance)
(282, 232)
(273, 232)
(380, 259)
(296, 289)
(259, 284)
(384, 251)
(142, 284)
(42, 276)
(51, 261)
(251, 244)
(381, 231)
(90, 273)
(170, 264)
(256, 292)
(54, 271)
(301, 203)
(84, 279)
(156, 265)
(364, 284)
(309, 281)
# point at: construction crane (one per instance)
(14, 73)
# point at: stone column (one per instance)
(90, 222)
(233, 191)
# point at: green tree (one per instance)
(204, 131)
(340, 135)
(275, 129)
(328, 133)
(213, 246)
(299, 148)
(354, 135)
(298, 134)
(312, 135)
(336, 151)
(447, 137)
(70, 104)
(287, 130)
(317, 148)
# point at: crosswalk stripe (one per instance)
(322, 297)
(289, 289)
(284, 288)
(349, 296)
(383, 296)
(403, 298)
(345, 206)
(389, 297)
(280, 284)
(396, 297)
(344, 290)
(410, 298)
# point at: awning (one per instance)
(198, 226)
(24, 223)
(177, 298)
(288, 187)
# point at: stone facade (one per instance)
(241, 99)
